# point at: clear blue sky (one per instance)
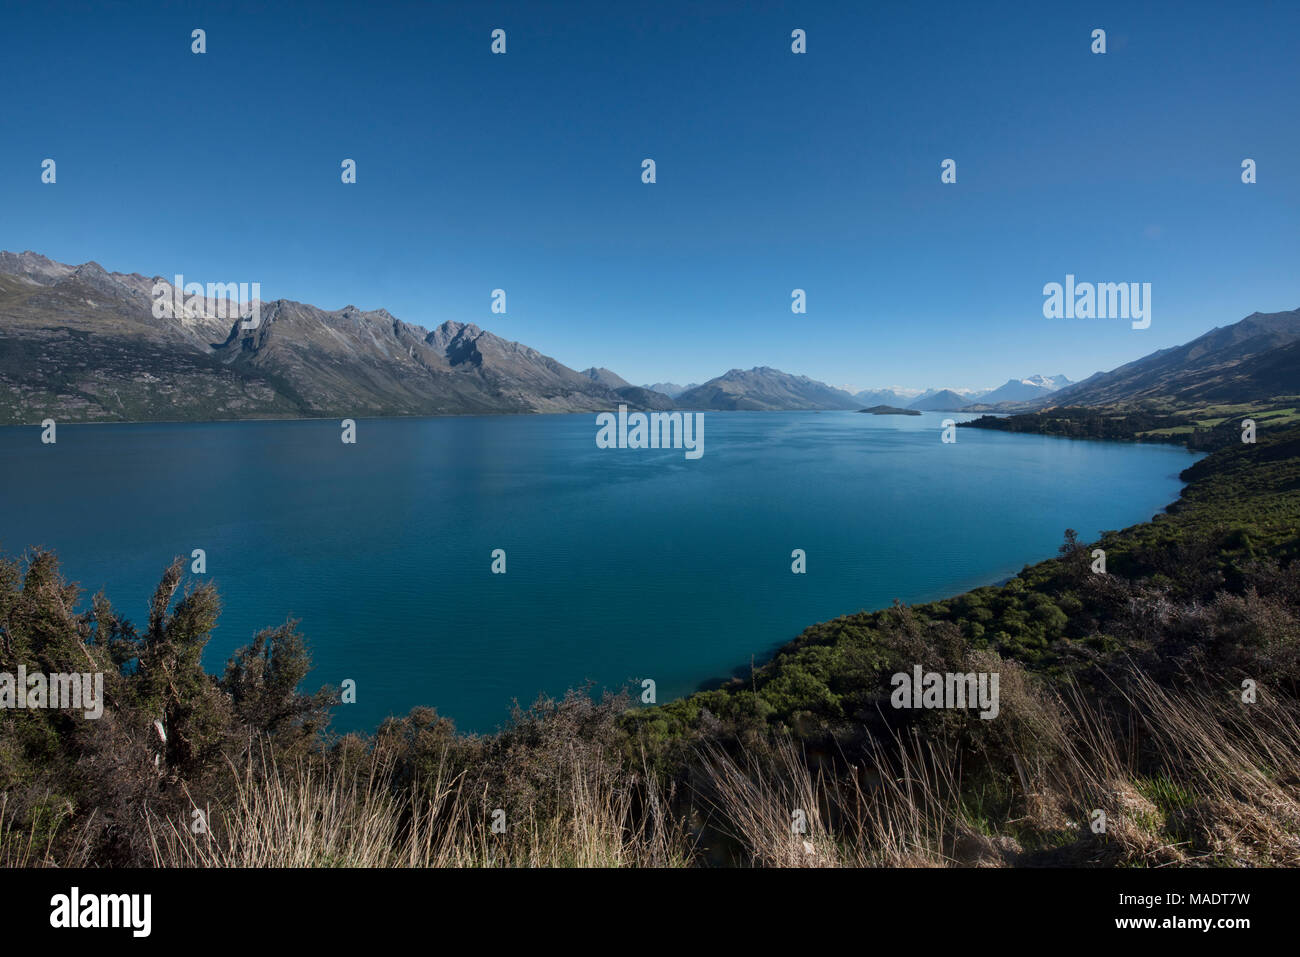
(775, 171)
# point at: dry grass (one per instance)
(303, 817)
(34, 846)
(900, 807)
(1185, 778)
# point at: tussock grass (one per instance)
(1185, 775)
(1183, 778)
(34, 845)
(303, 816)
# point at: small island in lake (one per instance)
(889, 410)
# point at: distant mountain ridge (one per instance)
(1023, 390)
(970, 395)
(78, 343)
(945, 400)
(881, 397)
(765, 389)
(634, 395)
(670, 389)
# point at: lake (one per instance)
(621, 564)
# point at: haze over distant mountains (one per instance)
(953, 400)
(944, 400)
(78, 343)
(1022, 390)
(873, 397)
(670, 389)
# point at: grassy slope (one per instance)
(1200, 426)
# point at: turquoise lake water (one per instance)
(622, 564)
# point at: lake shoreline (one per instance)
(291, 520)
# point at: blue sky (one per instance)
(775, 171)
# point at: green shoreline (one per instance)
(797, 686)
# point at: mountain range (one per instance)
(953, 400)
(943, 400)
(670, 389)
(1022, 390)
(633, 395)
(1258, 356)
(765, 389)
(873, 397)
(78, 343)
